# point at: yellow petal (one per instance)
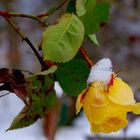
(111, 124)
(99, 114)
(79, 104)
(114, 123)
(96, 104)
(136, 108)
(88, 112)
(95, 128)
(121, 93)
(96, 95)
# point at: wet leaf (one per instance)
(41, 93)
(48, 71)
(93, 38)
(42, 99)
(62, 40)
(24, 119)
(96, 13)
(72, 76)
(81, 7)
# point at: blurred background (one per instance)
(119, 40)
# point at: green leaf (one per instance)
(71, 6)
(50, 70)
(86, 5)
(93, 38)
(80, 7)
(62, 40)
(72, 76)
(42, 94)
(95, 15)
(23, 119)
(42, 99)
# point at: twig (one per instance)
(12, 24)
(52, 10)
(13, 14)
(86, 56)
(35, 17)
(23, 37)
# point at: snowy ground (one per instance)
(10, 106)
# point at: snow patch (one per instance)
(58, 89)
(102, 71)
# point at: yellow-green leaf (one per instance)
(93, 38)
(24, 119)
(62, 40)
(80, 7)
(48, 71)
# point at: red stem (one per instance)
(86, 56)
(5, 14)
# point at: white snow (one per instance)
(11, 105)
(134, 129)
(102, 71)
(58, 89)
(79, 131)
(1, 84)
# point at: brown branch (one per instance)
(86, 56)
(13, 25)
(23, 37)
(35, 17)
(51, 11)
(13, 14)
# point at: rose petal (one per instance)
(96, 104)
(114, 123)
(121, 93)
(136, 108)
(111, 124)
(79, 104)
(96, 95)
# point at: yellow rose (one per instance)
(106, 106)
